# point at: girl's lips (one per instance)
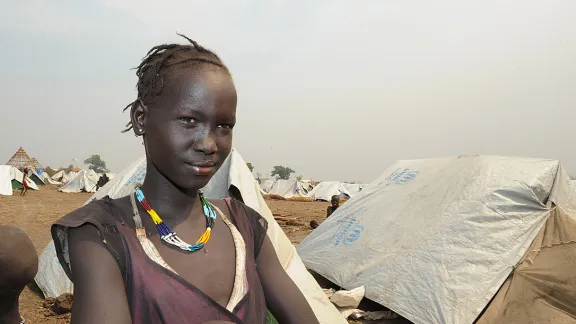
(203, 170)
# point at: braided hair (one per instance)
(159, 61)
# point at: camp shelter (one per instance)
(232, 175)
(5, 180)
(287, 189)
(442, 240)
(47, 180)
(63, 176)
(266, 185)
(20, 159)
(83, 181)
(326, 189)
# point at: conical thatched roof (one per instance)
(37, 164)
(20, 159)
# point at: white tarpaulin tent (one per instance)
(5, 180)
(287, 188)
(234, 173)
(84, 181)
(435, 239)
(46, 178)
(63, 176)
(266, 185)
(326, 189)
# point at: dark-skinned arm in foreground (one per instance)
(283, 298)
(99, 295)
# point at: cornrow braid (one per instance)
(159, 59)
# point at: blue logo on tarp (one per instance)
(349, 230)
(137, 177)
(400, 176)
(352, 235)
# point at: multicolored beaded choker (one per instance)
(169, 236)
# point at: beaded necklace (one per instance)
(169, 236)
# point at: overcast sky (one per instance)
(337, 90)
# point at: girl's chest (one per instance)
(211, 269)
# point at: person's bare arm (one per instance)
(99, 295)
(283, 298)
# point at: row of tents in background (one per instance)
(289, 189)
(75, 180)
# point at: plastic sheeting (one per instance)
(326, 189)
(287, 188)
(84, 180)
(266, 185)
(434, 239)
(5, 180)
(63, 176)
(54, 282)
(49, 180)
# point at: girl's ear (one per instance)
(138, 114)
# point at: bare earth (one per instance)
(35, 212)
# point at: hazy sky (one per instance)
(337, 90)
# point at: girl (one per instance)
(165, 254)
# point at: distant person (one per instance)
(18, 267)
(335, 203)
(24, 183)
(102, 181)
(314, 224)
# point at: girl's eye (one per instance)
(225, 126)
(188, 120)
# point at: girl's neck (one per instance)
(169, 201)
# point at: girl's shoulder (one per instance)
(248, 221)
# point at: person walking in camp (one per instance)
(334, 204)
(18, 267)
(165, 254)
(25, 185)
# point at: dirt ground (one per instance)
(35, 212)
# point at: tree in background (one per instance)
(282, 172)
(250, 166)
(96, 163)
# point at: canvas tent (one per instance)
(326, 189)
(5, 180)
(84, 181)
(435, 240)
(63, 176)
(20, 159)
(266, 185)
(287, 188)
(234, 173)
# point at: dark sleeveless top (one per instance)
(175, 300)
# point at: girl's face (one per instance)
(188, 130)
